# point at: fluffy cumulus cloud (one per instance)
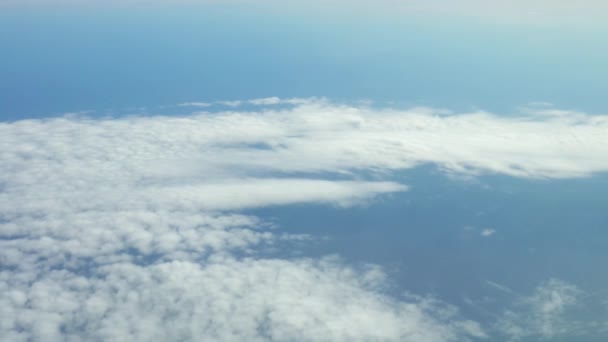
(132, 228)
(223, 300)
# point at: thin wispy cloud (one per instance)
(543, 314)
(488, 232)
(195, 104)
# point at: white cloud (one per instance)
(195, 104)
(488, 232)
(128, 228)
(230, 103)
(222, 300)
(320, 137)
(553, 310)
(265, 101)
(500, 287)
(543, 314)
(124, 229)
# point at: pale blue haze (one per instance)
(72, 59)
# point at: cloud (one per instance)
(290, 101)
(223, 300)
(266, 101)
(488, 232)
(543, 314)
(195, 104)
(130, 228)
(230, 103)
(325, 137)
(500, 287)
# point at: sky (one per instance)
(319, 171)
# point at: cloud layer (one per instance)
(129, 228)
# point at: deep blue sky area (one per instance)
(71, 59)
(431, 238)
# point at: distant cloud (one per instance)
(230, 103)
(290, 101)
(266, 101)
(488, 232)
(554, 310)
(500, 287)
(543, 314)
(195, 104)
(316, 135)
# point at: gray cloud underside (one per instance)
(128, 229)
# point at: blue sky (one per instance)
(67, 59)
(335, 171)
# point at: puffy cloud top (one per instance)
(129, 228)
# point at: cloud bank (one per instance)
(131, 228)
